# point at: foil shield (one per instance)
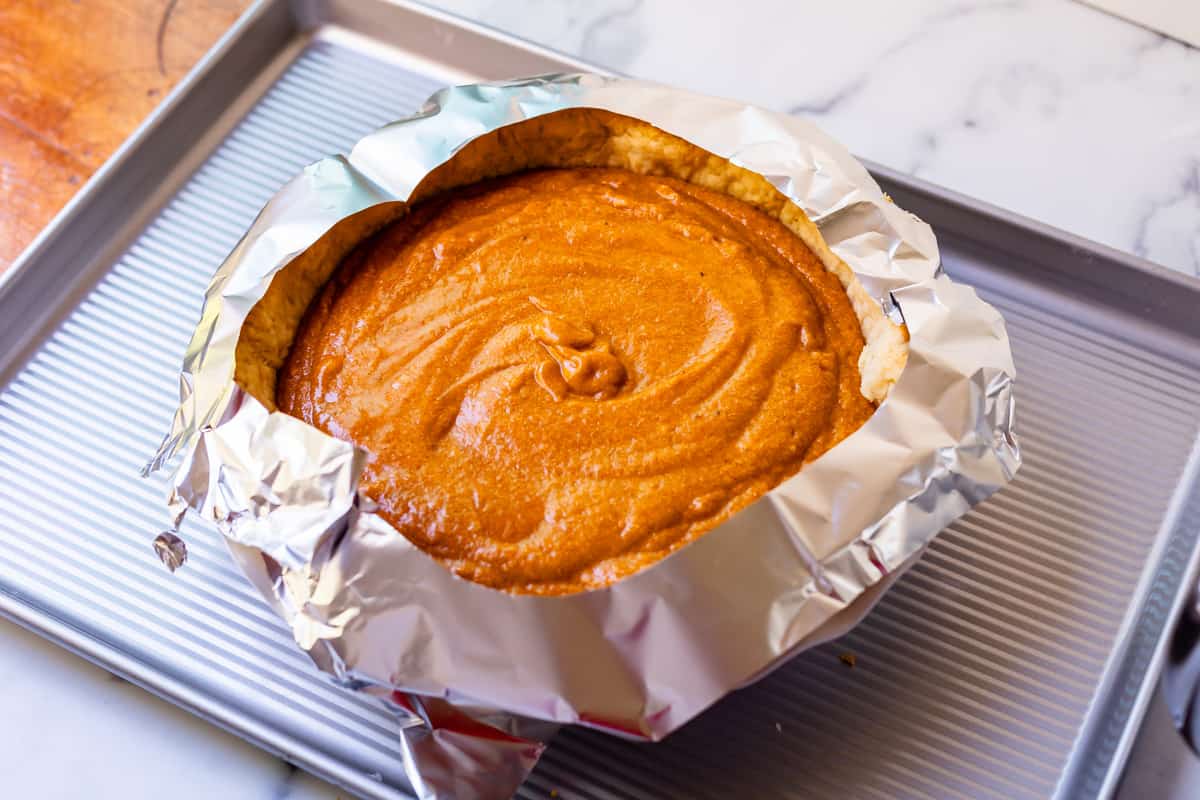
(643, 656)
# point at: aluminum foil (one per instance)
(642, 657)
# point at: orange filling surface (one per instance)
(564, 375)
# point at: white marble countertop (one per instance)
(1045, 107)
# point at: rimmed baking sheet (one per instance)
(1013, 661)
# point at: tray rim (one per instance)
(1183, 500)
(284, 745)
(274, 741)
(94, 186)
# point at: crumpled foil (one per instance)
(642, 657)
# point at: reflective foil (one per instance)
(642, 657)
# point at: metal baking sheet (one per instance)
(1014, 661)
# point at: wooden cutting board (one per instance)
(76, 77)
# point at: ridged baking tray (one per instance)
(1014, 661)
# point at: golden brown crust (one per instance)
(580, 137)
(271, 325)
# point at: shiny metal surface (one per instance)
(1043, 612)
(977, 675)
(642, 657)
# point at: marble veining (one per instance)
(1045, 107)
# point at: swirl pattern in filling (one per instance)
(563, 375)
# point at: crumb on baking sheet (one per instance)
(848, 659)
(778, 728)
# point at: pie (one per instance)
(581, 345)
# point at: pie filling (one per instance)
(563, 375)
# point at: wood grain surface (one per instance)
(76, 78)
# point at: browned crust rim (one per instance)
(576, 137)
